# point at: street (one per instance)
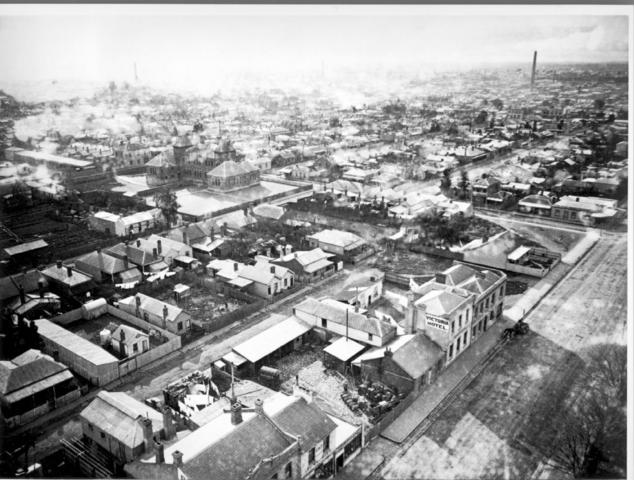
(501, 425)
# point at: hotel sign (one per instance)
(437, 323)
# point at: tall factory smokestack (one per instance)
(534, 67)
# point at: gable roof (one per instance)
(9, 286)
(116, 413)
(27, 369)
(153, 306)
(339, 238)
(135, 255)
(61, 275)
(333, 313)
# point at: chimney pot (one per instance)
(178, 458)
(59, 264)
(236, 413)
(259, 406)
(69, 270)
(138, 242)
(160, 452)
(168, 423)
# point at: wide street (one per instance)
(501, 425)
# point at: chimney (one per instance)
(235, 266)
(236, 413)
(168, 423)
(159, 449)
(56, 355)
(69, 271)
(122, 335)
(441, 278)
(22, 294)
(165, 312)
(185, 237)
(159, 247)
(138, 242)
(272, 269)
(137, 300)
(148, 440)
(155, 253)
(59, 264)
(126, 265)
(100, 260)
(534, 68)
(388, 353)
(177, 457)
(40, 287)
(259, 406)
(410, 318)
(356, 306)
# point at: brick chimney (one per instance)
(137, 301)
(168, 423)
(40, 287)
(22, 294)
(185, 236)
(177, 457)
(148, 439)
(100, 260)
(272, 269)
(259, 406)
(236, 413)
(59, 264)
(155, 253)
(126, 263)
(235, 266)
(69, 271)
(138, 243)
(410, 316)
(56, 355)
(165, 312)
(159, 247)
(159, 450)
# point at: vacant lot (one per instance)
(502, 424)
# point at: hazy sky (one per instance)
(180, 47)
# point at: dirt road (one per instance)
(501, 425)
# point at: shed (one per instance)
(340, 352)
(281, 338)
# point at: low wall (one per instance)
(68, 317)
(390, 416)
(439, 252)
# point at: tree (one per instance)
(445, 181)
(463, 184)
(482, 117)
(593, 428)
(497, 103)
(168, 204)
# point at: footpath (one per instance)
(380, 450)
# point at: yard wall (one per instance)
(390, 416)
(68, 317)
(439, 252)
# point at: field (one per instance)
(501, 426)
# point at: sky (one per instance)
(179, 47)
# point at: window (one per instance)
(370, 336)
(288, 470)
(90, 427)
(464, 339)
(324, 322)
(473, 331)
(493, 298)
(135, 347)
(269, 290)
(180, 326)
(458, 346)
(103, 435)
(453, 325)
(460, 321)
(450, 351)
(311, 455)
(327, 443)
